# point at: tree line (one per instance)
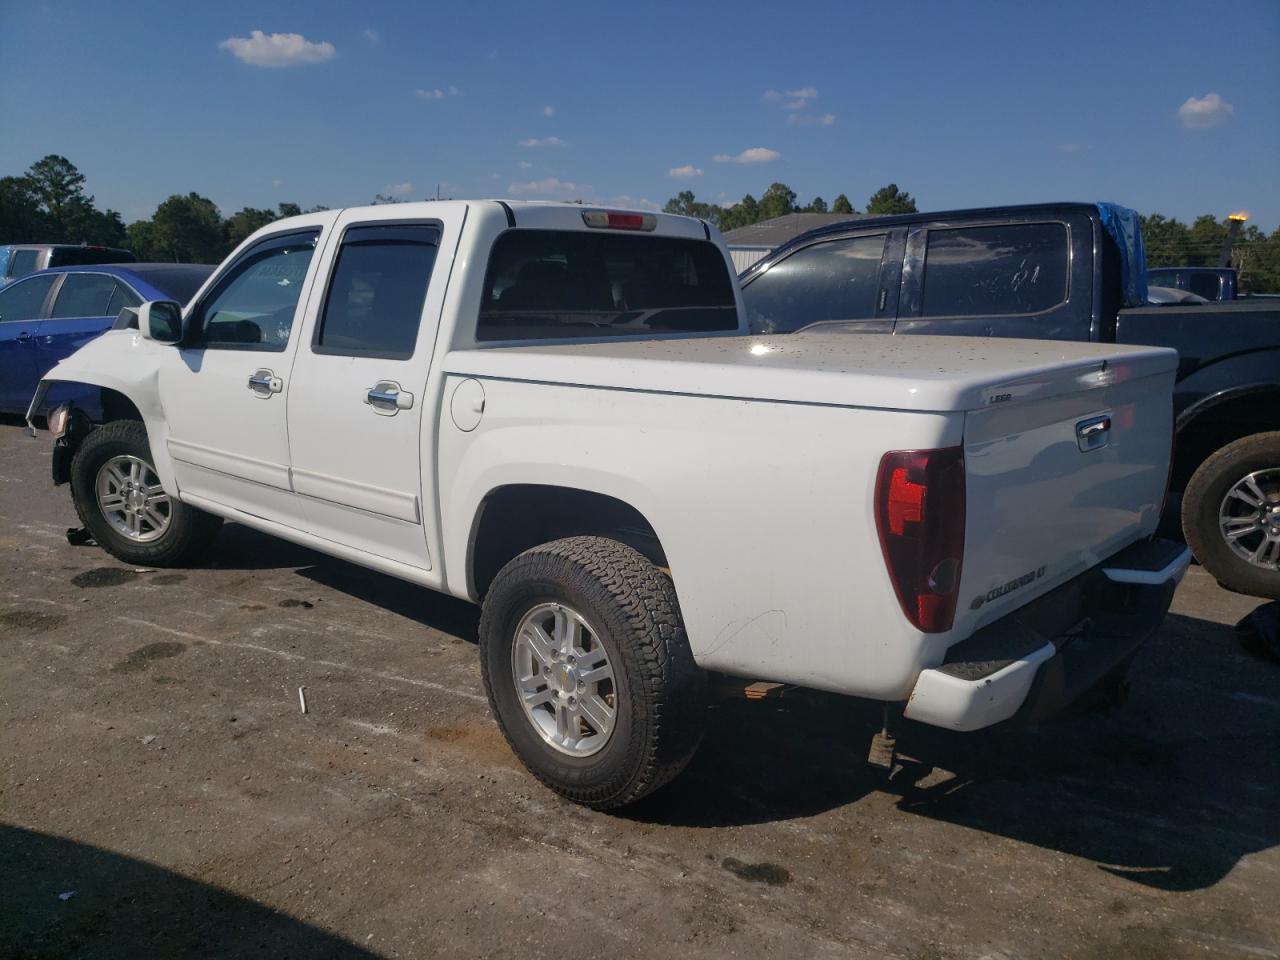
(780, 200)
(48, 204)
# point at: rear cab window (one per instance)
(1003, 269)
(563, 284)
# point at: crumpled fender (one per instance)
(124, 361)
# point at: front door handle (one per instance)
(264, 383)
(387, 399)
(23, 337)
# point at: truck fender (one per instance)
(119, 360)
(476, 490)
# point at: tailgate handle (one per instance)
(1094, 433)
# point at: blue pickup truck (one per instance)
(1063, 271)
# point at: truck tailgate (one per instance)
(1059, 481)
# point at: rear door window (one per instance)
(834, 280)
(1016, 268)
(379, 285)
(553, 284)
(83, 295)
(25, 300)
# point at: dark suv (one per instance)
(19, 259)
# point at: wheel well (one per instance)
(1219, 424)
(116, 406)
(514, 518)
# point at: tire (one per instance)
(628, 610)
(187, 533)
(1206, 497)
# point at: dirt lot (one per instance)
(162, 795)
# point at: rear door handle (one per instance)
(23, 337)
(264, 383)
(387, 399)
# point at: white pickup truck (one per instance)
(555, 412)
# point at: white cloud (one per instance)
(277, 49)
(524, 164)
(548, 111)
(398, 189)
(1201, 113)
(565, 189)
(796, 99)
(435, 93)
(542, 142)
(684, 173)
(371, 35)
(1073, 147)
(811, 120)
(750, 155)
(276, 183)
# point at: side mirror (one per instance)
(161, 321)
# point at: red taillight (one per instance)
(920, 518)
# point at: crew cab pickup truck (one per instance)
(556, 412)
(1057, 272)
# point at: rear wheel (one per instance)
(122, 504)
(588, 670)
(1231, 515)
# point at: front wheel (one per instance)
(588, 670)
(122, 504)
(1231, 515)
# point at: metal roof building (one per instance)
(751, 243)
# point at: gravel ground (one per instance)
(162, 794)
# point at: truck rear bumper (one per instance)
(1045, 656)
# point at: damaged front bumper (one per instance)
(1039, 660)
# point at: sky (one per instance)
(1170, 107)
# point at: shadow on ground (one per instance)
(1169, 789)
(127, 908)
(241, 548)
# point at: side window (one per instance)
(1016, 268)
(252, 306)
(83, 295)
(25, 300)
(836, 280)
(23, 262)
(122, 297)
(375, 296)
(1204, 284)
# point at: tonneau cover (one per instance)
(872, 370)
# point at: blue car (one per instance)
(47, 316)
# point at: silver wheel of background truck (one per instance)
(1231, 515)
